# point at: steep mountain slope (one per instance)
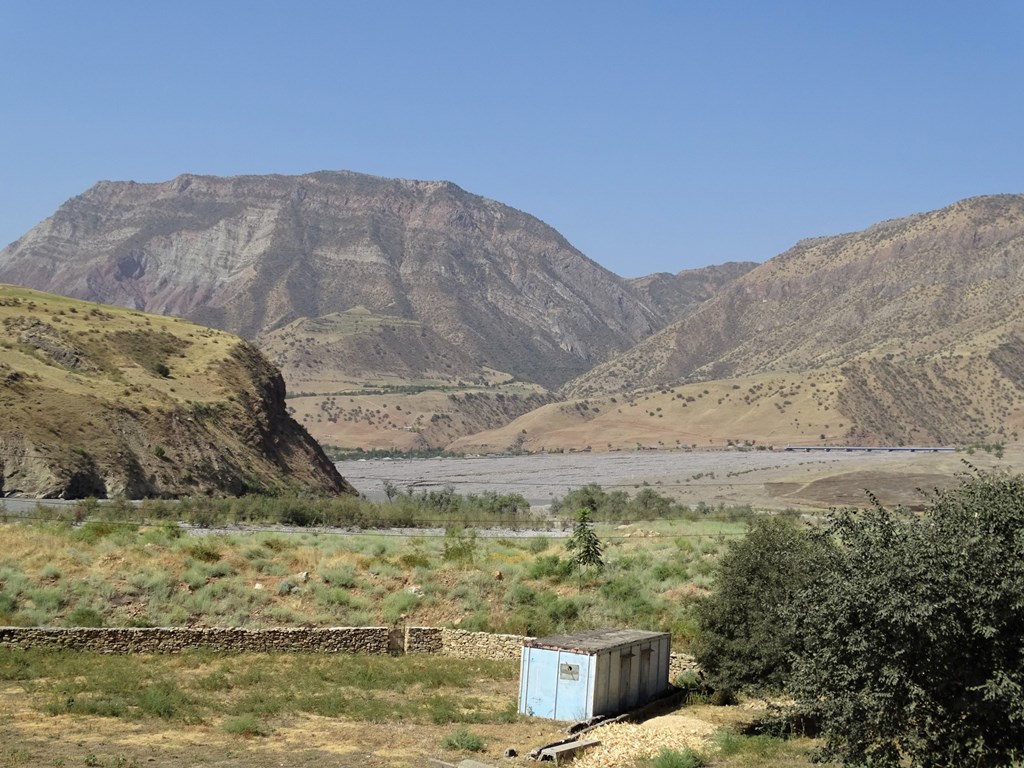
(252, 254)
(98, 400)
(920, 316)
(906, 287)
(676, 296)
(355, 348)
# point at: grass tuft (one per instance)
(677, 758)
(464, 740)
(247, 726)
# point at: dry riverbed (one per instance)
(767, 479)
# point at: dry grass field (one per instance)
(75, 709)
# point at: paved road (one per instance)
(24, 506)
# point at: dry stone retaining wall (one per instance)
(457, 643)
(680, 663)
(462, 644)
(176, 639)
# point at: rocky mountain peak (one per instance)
(252, 253)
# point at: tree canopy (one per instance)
(747, 638)
(907, 645)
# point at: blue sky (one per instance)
(656, 136)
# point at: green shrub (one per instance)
(50, 572)
(746, 638)
(220, 569)
(195, 577)
(8, 605)
(463, 739)
(246, 725)
(520, 594)
(84, 617)
(460, 546)
(164, 699)
(600, 504)
(537, 544)
(46, 599)
(910, 641)
(414, 560)
(550, 567)
(397, 605)
(677, 758)
(92, 532)
(339, 576)
(205, 549)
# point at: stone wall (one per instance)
(461, 644)
(175, 639)
(680, 663)
(457, 643)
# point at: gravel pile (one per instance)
(622, 743)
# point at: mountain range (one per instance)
(412, 314)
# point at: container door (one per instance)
(625, 666)
(646, 688)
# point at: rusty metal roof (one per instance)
(593, 640)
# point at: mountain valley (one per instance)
(413, 315)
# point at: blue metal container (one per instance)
(599, 672)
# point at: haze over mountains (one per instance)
(411, 314)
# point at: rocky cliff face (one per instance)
(251, 254)
(99, 401)
(677, 296)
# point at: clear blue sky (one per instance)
(656, 136)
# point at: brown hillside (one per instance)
(922, 315)
(358, 350)
(676, 296)
(252, 254)
(98, 400)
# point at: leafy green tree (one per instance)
(585, 544)
(746, 638)
(912, 646)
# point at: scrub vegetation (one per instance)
(98, 565)
(898, 634)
